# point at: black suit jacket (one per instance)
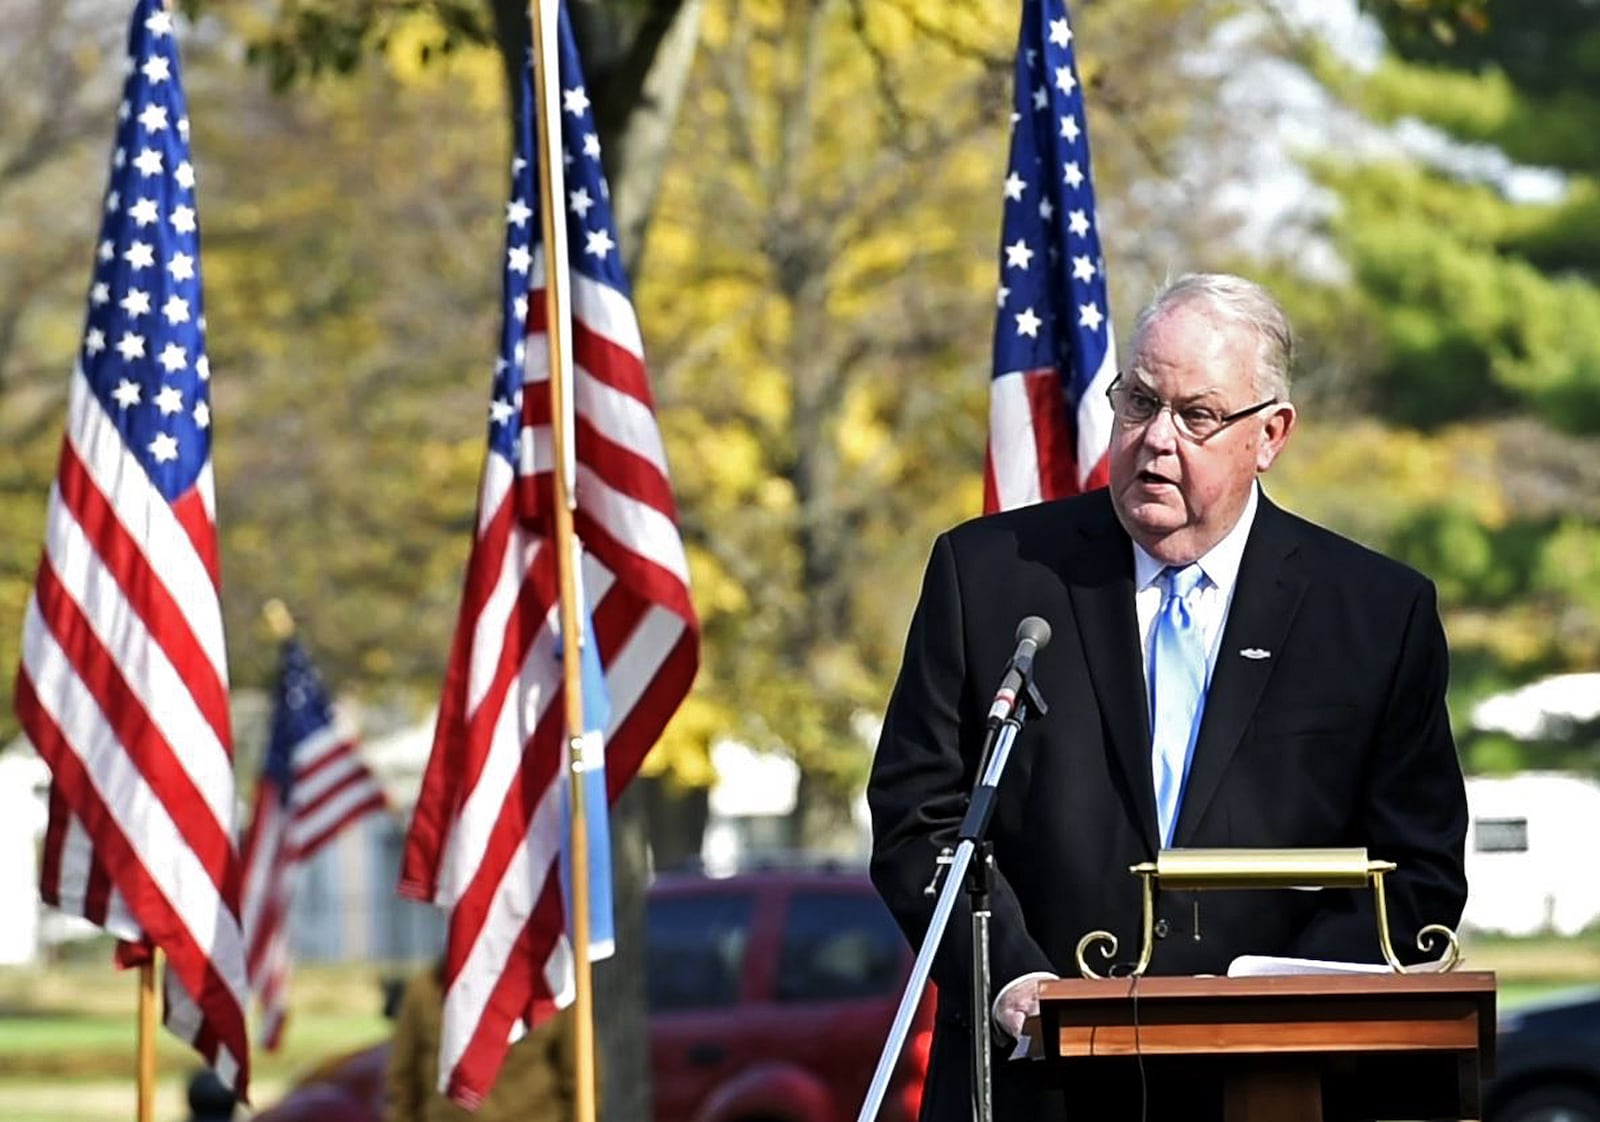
(1339, 737)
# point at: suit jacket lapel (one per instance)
(1099, 578)
(1264, 603)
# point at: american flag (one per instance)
(123, 686)
(1049, 420)
(487, 829)
(313, 784)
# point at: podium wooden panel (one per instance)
(1379, 1045)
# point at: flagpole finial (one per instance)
(279, 621)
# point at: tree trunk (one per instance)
(636, 63)
(676, 820)
(822, 819)
(622, 1035)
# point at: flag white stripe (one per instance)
(1094, 412)
(310, 826)
(640, 527)
(537, 687)
(599, 307)
(184, 1018)
(638, 661)
(495, 487)
(143, 664)
(495, 617)
(620, 417)
(509, 909)
(308, 788)
(257, 883)
(1013, 454)
(164, 853)
(310, 751)
(147, 519)
(75, 861)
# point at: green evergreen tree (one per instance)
(1474, 308)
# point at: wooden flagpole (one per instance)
(146, 1044)
(552, 197)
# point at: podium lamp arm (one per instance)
(1145, 871)
(1425, 938)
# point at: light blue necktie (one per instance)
(1178, 685)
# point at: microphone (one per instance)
(1033, 635)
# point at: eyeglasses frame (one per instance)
(1223, 422)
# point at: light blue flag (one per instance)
(596, 713)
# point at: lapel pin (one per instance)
(1255, 653)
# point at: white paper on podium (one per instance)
(1260, 965)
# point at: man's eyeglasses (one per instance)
(1135, 406)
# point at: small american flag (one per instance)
(123, 686)
(488, 827)
(313, 785)
(1054, 356)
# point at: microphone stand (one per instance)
(976, 878)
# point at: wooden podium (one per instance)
(1377, 1045)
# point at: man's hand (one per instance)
(1018, 1001)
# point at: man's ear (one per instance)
(1275, 434)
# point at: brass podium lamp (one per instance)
(1199, 869)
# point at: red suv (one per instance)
(770, 993)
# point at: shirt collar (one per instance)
(1220, 564)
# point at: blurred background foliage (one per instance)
(810, 196)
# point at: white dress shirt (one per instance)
(1210, 602)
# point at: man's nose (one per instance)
(1161, 431)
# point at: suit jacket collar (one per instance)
(1099, 578)
(1098, 570)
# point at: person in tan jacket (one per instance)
(537, 1083)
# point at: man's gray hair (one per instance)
(1237, 301)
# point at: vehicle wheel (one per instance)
(1557, 1102)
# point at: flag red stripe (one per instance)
(313, 845)
(444, 781)
(252, 851)
(519, 991)
(508, 834)
(55, 834)
(140, 735)
(618, 465)
(1099, 475)
(611, 363)
(478, 726)
(637, 733)
(339, 753)
(527, 617)
(653, 582)
(1055, 437)
(191, 513)
(147, 594)
(268, 929)
(341, 787)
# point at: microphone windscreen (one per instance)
(1032, 627)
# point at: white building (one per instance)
(23, 780)
(1531, 849)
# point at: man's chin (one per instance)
(1151, 518)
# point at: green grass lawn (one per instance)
(67, 1041)
(67, 1032)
